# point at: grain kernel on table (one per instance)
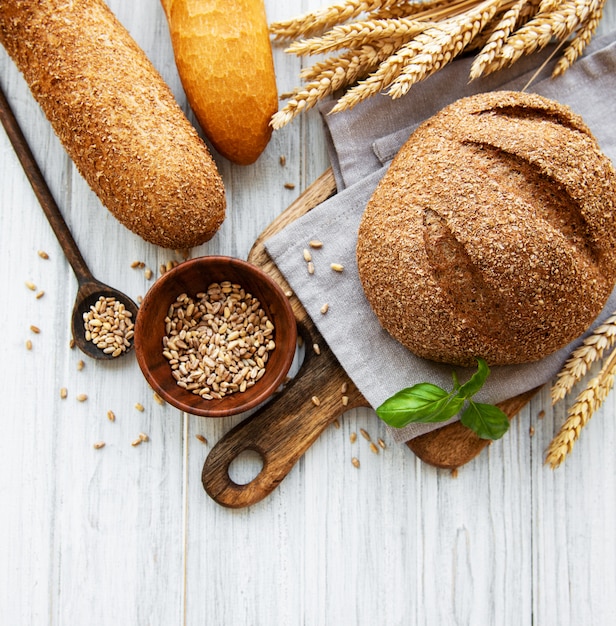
(98, 445)
(315, 244)
(307, 255)
(43, 254)
(63, 393)
(324, 308)
(201, 438)
(80, 365)
(355, 462)
(39, 295)
(144, 437)
(35, 329)
(365, 434)
(111, 416)
(337, 267)
(139, 407)
(373, 448)
(316, 348)
(353, 437)
(345, 400)
(82, 397)
(30, 285)
(289, 186)
(310, 267)
(158, 399)
(28, 344)
(315, 400)
(381, 443)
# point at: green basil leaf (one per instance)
(486, 420)
(470, 388)
(423, 402)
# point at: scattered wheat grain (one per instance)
(365, 434)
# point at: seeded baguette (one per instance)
(493, 232)
(224, 58)
(117, 119)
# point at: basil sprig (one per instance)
(428, 403)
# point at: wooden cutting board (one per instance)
(283, 429)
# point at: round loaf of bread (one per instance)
(493, 232)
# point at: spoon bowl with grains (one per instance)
(215, 336)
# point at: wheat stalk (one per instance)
(587, 402)
(358, 34)
(408, 8)
(329, 76)
(320, 20)
(592, 349)
(422, 37)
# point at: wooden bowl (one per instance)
(192, 277)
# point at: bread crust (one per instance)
(492, 233)
(116, 118)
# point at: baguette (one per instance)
(224, 58)
(116, 118)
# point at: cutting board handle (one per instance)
(282, 430)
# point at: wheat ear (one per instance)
(495, 42)
(574, 50)
(429, 51)
(318, 21)
(330, 75)
(462, 31)
(536, 34)
(587, 402)
(358, 34)
(591, 350)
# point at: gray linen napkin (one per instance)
(362, 143)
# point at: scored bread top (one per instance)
(492, 234)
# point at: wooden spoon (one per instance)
(89, 289)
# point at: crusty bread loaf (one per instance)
(493, 232)
(117, 119)
(224, 58)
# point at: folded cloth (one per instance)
(362, 143)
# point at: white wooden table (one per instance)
(127, 535)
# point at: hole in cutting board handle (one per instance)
(246, 466)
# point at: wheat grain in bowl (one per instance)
(218, 342)
(215, 336)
